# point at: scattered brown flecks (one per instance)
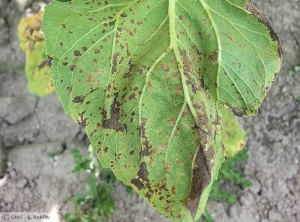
(78, 99)
(114, 65)
(209, 36)
(63, 25)
(214, 56)
(181, 17)
(81, 121)
(77, 53)
(131, 66)
(113, 122)
(72, 67)
(105, 149)
(176, 132)
(187, 66)
(89, 78)
(179, 161)
(49, 61)
(42, 64)
(166, 68)
(178, 91)
(229, 37)
(203, 83)
(145, 151)
(173, 190)
(69, 89)
(197, 106)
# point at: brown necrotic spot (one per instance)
(72, 67)
(42, 64)
(201, 177)
(78, 99)
(131, 66)
(214, 56)
(49, 61)
(81, 120)
(113, 122)
(63, 25)
(84, 48)
(77, 53)
(136, 182)
(114, 65)
(105, 149)
(69, 89)
(146, 146)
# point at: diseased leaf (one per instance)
(233, 136)
(32, 42)
(144, 79)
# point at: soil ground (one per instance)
(31, 128)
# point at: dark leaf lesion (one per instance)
(113, 121)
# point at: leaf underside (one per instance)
(144, 79)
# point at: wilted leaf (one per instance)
(32, 42)
(144, 79)
(233, 136)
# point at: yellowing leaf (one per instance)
(32, 42)
(233, 136)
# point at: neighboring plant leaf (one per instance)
(144, 79)
(294, 70)
(233, 136)
(227, 171)
(32, 42)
